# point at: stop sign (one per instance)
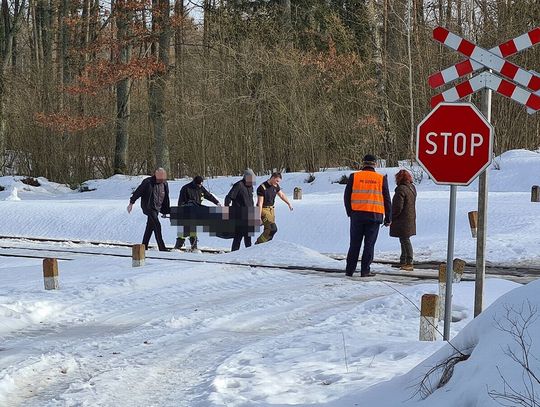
(454, 143)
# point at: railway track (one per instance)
(423, 270)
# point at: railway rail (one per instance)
(426, 270)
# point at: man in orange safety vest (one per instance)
(368, 205)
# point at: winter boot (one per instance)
(179, 243)
(407, 267)
(193, 241)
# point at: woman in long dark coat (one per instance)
(404, 217)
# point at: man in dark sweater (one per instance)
(154, 194)
(266, 196)
(192, 194)
(368, 205)
(241, 196)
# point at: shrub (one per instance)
(31, 181)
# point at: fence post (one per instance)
(138, 255)
(50, 274)
(429, 317)
(535, 193)
(459, 269)
(473, 222)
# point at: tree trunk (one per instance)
(388, 138)
(158, 82)
(286, 20)
(122, 91)
(10, 26)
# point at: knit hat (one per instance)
(249, 173)
(370, 160)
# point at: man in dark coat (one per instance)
(367, 203)
(154, 194)
(404, 217)
(241, 196)
(192, 194)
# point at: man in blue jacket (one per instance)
(154, 194)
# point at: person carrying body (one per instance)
(154, 194)
(193, 194)
(241, 196)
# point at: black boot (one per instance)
(179, 243)
(193, 241)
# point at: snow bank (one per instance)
(490, 363)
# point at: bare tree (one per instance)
(158, 82)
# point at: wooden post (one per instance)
(459, 269)
(535, 193)
(138, 255)
(473, 222)
(50, 274)
(429, 317)
(442, 287)
(297, 193)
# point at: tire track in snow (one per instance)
(189, 330)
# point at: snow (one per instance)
(205, 334)
(318, 221)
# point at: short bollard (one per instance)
(473, 222)
(138, 255)
(429, 317)
(535, 193)
(50, 274)
(459, 269)
(297, 193)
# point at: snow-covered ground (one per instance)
(192, 334)
(317, 222)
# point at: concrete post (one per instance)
(535, 193)
(459, 269)
(297, 193)
(473, 222)
(50, 274)
(138, 255)
(429, 317)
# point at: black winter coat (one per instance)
(192, 194)
(145, 191)
(240, 195)
(404, 211)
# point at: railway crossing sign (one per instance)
(454, 143)
(506, 78)
(454, 135)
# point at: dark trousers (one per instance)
(153, 226)
(406, 250)
(238, 239)
(366, 232)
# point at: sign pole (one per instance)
(450, 262)
(482, 220)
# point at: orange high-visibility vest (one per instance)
(367, 192)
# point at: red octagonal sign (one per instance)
(454, 143)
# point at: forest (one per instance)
(92, 88)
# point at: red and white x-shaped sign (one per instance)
(507, 78)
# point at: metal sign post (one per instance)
(450, 262)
